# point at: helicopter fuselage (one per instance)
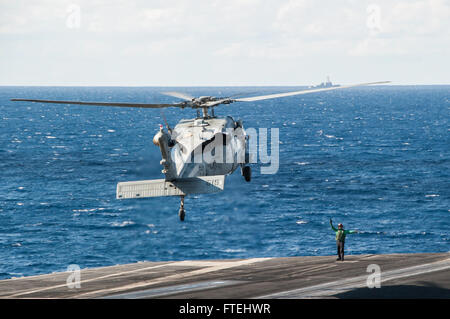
(202, 147)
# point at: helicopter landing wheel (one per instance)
(181, 214)
(181, 211)
(247, 173)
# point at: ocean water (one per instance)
(376, 159)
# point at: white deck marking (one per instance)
(213, 266)
(317, 268)
(187, 263)
(165, 291)
(339, 286)
(86, 280)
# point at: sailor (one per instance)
(340, 238)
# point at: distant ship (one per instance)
(326, 84)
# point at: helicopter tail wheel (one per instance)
(247, 173)
(181, 211)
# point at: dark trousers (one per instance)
(340, 249)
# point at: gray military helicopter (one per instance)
(197, 153)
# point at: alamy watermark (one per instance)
(229, 147)
(374, 279)
(73, 19)
(373, 21)
(74, 278)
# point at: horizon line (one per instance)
(193, 86)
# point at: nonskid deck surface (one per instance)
(401, 275)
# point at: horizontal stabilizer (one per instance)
(161, 187)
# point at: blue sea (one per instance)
(376, 159)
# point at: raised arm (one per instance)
(332, 227)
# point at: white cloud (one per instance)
(206, 37)
(372, 46)
(408, 28)
(33, 16)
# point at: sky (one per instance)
(223, 43)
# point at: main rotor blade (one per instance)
(139, 105)
(179, 95)
(215, 103)
(277, 95)
(240, 94)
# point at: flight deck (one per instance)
(397, 276)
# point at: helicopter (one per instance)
(198, 153)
